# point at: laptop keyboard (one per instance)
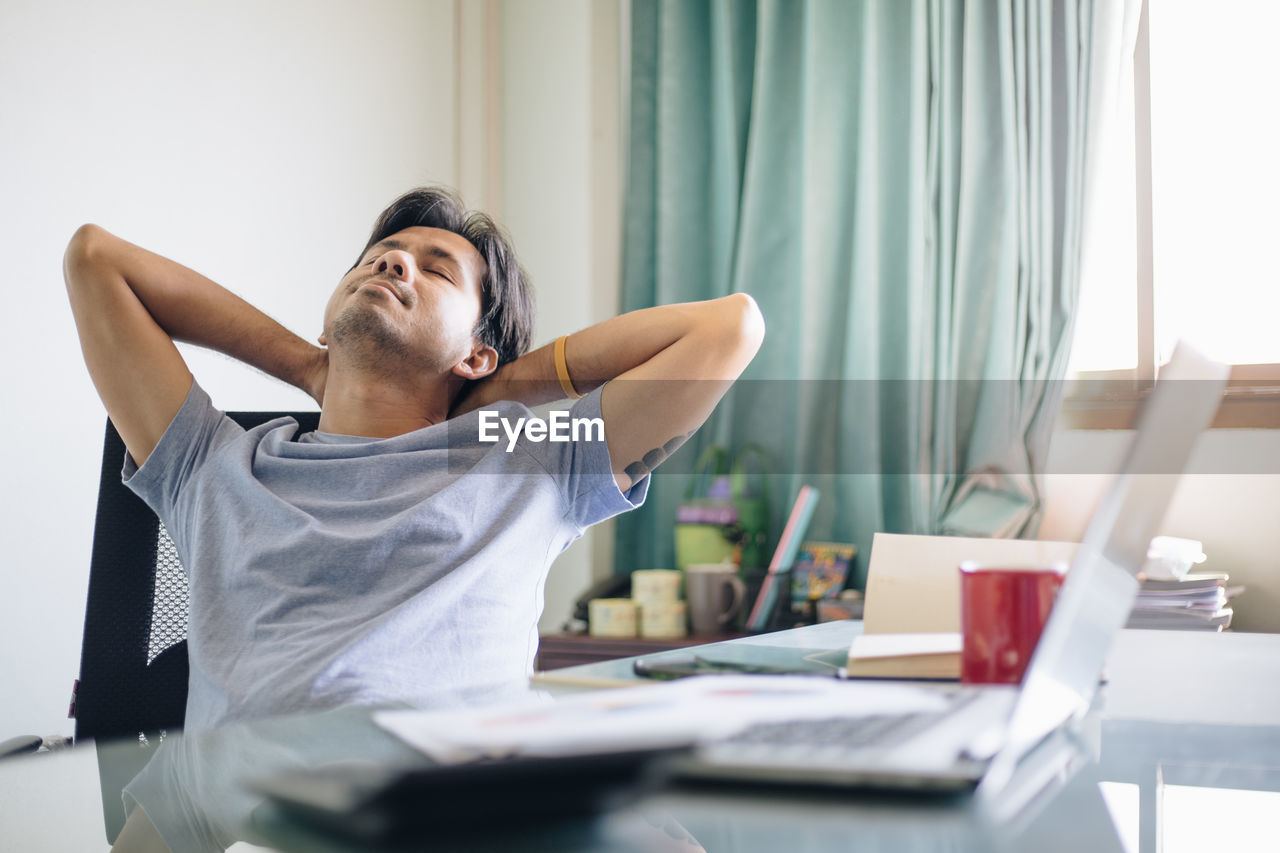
(842, 733)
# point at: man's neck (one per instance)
(376, 406)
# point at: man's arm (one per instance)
(130, 305)
(675, 363)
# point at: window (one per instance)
(1182, 228)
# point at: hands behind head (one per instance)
(317, 375)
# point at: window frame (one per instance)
(1109, 399)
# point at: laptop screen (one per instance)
(1098, 593)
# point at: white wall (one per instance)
(1235, 515)
(255, 142)
(560, 120)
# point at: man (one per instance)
(398, 553)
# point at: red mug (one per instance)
(1002, 612)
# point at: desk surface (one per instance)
(1168, 676)
(1191, 719)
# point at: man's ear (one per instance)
(321, 340)
(482, 361)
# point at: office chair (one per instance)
(133, 662)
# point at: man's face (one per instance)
(412, 301)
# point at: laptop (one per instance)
(982, 732)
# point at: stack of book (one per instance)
(1194, 602)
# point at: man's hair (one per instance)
(506, 299)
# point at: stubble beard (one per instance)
(372, 345)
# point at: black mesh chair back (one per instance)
(133, 662)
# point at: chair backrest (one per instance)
(133, 661)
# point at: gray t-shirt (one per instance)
(334, 570)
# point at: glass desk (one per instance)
(1182, 752)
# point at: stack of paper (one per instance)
(1196, 602)
(670, 714)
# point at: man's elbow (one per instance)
(84, 249)
(742, 324)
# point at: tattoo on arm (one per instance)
(636, 470)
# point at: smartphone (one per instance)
(387, 806)
(682, 666)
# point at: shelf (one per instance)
(556, 651)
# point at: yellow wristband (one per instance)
(562, 370)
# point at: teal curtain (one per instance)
(898, 184)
